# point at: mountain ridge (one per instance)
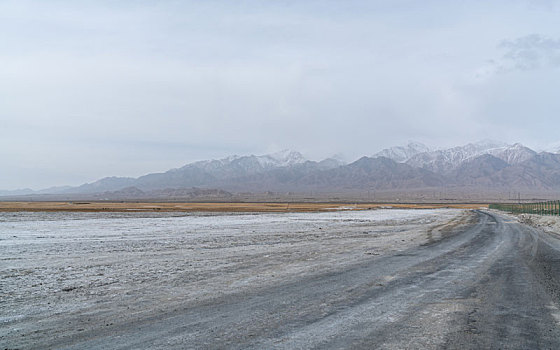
(484, 165)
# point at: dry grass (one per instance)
(215, 207)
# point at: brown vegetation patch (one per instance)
(217, 207)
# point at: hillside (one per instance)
(483, 166)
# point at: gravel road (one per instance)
(459, 280)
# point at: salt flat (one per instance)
(68, 276)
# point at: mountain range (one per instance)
(478, 166)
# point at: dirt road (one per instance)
(491, 283)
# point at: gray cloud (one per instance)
(531, 52)
(96, 88)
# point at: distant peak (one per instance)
(403, 153)
(285, 157)
(286, 153)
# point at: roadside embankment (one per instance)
(547, 223)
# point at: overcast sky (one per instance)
(97, 88)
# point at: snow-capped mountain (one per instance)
(236, 166)
(483, 165)
(401, 154)
(446, 160)
(513, 154)
(283, 158)
(204, 172)
(254, 163)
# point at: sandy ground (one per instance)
(215, 207)
(64, 274)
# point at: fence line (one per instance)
(539, 208)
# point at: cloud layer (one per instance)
(100, 88)
(532, 52)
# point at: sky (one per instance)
(90, 89)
